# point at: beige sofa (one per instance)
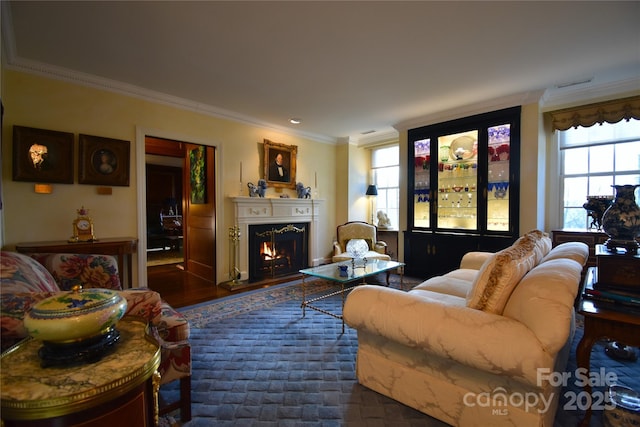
(475, 346)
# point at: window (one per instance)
(385, 163)
(592, 159)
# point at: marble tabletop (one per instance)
(29, 391)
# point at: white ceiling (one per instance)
(345, 68)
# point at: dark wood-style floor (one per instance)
(181, 289)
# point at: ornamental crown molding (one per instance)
(514, 100)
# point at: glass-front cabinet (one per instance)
(464, 189)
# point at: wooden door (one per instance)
(199, 212)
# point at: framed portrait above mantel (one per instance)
(103, 161)
(41, 155)
(280, 164)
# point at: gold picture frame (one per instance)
(279, 164)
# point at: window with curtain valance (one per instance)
(588, 115)
(594, 158)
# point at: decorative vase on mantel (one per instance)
(621, 221)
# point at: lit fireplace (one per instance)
(273, 258)
(277, 213)
(277, 250)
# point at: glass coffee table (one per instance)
(352, 275)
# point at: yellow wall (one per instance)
(45, 103)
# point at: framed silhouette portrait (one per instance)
(103, 161)
(41, 155)
(280, 164)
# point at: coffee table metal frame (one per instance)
(357, 271)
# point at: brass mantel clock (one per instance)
(83, 227)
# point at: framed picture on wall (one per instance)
(280, 164)
(198, 175)
(41, 155)
(103, 161)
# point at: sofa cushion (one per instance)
(19, 273)
(543, 301)
(576, 251)
(500, 274)
(448, 284)
(89, 271)
(438, 297)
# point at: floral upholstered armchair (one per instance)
(25, 280)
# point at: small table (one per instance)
(121, 247)
(602, 321)
(331, 272)
(121, 388)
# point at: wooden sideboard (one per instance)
(119, 389)
(121, 247)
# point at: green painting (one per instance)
(198, 162)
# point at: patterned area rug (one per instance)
(258, 362)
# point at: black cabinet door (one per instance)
(464, 175)
(432, 254)
(464, 190)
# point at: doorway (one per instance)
(170, 211)
(165, 231)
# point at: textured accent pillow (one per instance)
(501, 273)
(542, 244)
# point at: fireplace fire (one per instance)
(277, 250)
(274, 259)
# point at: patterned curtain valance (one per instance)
(589, 115)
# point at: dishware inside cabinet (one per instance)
(464, 185)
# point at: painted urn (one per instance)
(621, 220)
(75, 316)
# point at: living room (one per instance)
(332, 148)
(60, 100)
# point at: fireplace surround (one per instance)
(273, 212)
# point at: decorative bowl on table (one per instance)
(76, 326)
(357, 248)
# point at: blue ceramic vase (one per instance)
(621, 221)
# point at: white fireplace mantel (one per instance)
(258, 210)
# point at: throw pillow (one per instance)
(501, 273)
(542, 244)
